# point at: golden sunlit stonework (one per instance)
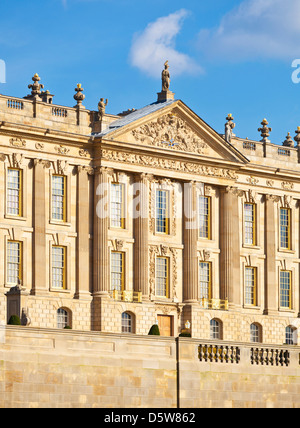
(68, 259)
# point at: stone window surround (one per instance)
(24, 198)
(16, 235)
(68, 176)
(57, 240)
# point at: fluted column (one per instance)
(230, 282)
(190, 236)
(83, 231)
(141, 235)
(39, 224)
(101, 225)
(271, 289)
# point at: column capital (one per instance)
(272, 198)
(103, 170)
(46, 164)
(85, 168)
(143, 176)
(233, 191)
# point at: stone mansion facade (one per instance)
(113, 223)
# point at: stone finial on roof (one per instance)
(289, 141)
(229, 127)
(35, 88)
(79, 96)
(265, 131)
(297, 138)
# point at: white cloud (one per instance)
(156, 44)
(256, 29)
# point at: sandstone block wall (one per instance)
(42, 368)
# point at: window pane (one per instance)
(117, 271)
(289, 336)
(162, 218)
(204, 217)
(215, 329)
(249, 213)
(14, 268)
(162, 268)
(58, 197)
(14, 192)
(285, 289)
(254, 333)
(58, 267)
(205, 280)
(285, 228)
(62, 318)
(126, 323)
(117, 205)
(250, 286)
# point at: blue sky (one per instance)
(225, 57)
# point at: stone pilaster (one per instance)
(271, 288)
(190, 236)
(39, 285)
(101, 284)
(230, 287)
(83, 231)
(141, 235)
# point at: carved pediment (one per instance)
(170, 132)
(170, 128)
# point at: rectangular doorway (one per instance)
(165, 324)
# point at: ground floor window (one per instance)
(63, 319)
(127, 323)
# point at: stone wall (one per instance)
(52, 368)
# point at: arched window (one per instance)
(255, 333)
(290, 336)
(216, 329)
(127, 323)
(63, 318)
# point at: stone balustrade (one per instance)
(126, 296)
(260, 355)
(215, 304)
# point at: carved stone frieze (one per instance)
(83, 153)
(61, 150)
(287, 185)
(39, 146)
(169, 131)
(174, 165)
(17, 142)
(252, 180)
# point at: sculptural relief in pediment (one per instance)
(170, 132)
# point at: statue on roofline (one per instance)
(166, 78)
(101, 108)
